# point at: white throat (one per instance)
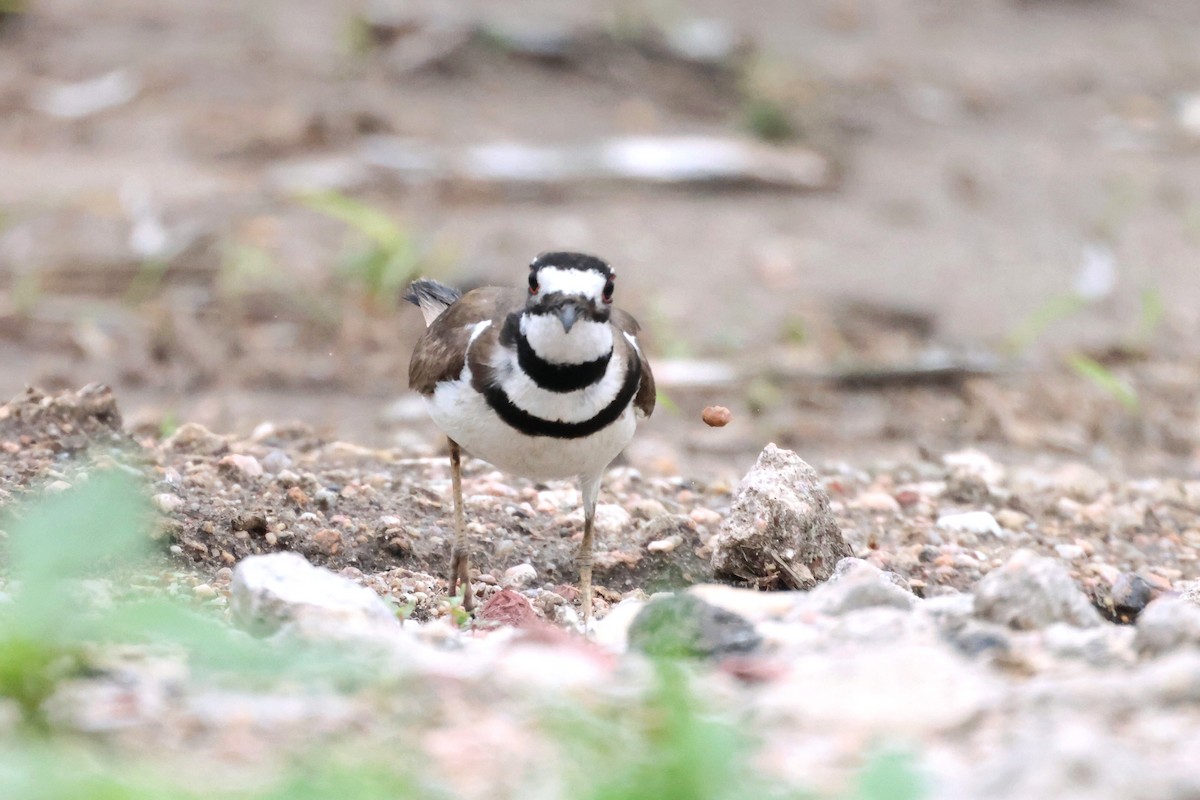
(587, 341)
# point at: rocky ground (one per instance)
(942, 252)
(1021, 632)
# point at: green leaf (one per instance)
(664, 400)
(1104, 379)
(371, 222)
(1152, 313)
(1053, 310)
(67, 536)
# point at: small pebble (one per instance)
(970, 522)
(276, 461)
(716, 416)
(705, 516)
(1011, 519)
(204, 592)
(666, 544)
(246, 466)
(167, 503)
(648, 509)
(519, 576)
(1071, 552)
(878, 501)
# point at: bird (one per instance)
(546, 383)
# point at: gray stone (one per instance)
(192, 437)
(1103, 646)
(780, 532)
(1130, 595)
(879, 625)
(975, 638)
(280, 589)
(1167, 624)
(950, 609)
(681, 625)
(1030, 592)
(856, 584)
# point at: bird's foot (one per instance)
(460, 576)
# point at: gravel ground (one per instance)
(1022, 631)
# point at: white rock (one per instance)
(276, 461)
(1011, 519)
(610, 518)
(247, 466)
(1032, 592)
(271, 591)
(519, 576)
(976, 522)
(166, 502)
(1166, 624)
(612, 631)
(1071, 552)
(975, 463)
(899, 690)
(704, 516)
(666, 544)
(559, 499)
(877, 501)
(857, 584)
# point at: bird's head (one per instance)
(572, 287)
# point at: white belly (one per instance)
(464, 415)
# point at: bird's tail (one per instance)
(431, 297)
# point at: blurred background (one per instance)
(866, 226)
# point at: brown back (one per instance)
(442, 349)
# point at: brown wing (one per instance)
(442, 350)
(645, 397)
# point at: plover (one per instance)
(545, 383)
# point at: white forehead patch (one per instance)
(571, 281)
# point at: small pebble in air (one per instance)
(716, 416)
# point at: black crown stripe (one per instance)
(531, 425)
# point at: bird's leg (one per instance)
(590, 488)
(459, 564)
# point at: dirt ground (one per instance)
(984, 150)
(991, 157)
(955, 272)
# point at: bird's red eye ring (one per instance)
(608, 288)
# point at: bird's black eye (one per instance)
(608, 289)
(533, 284)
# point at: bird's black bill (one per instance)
(567, 316)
